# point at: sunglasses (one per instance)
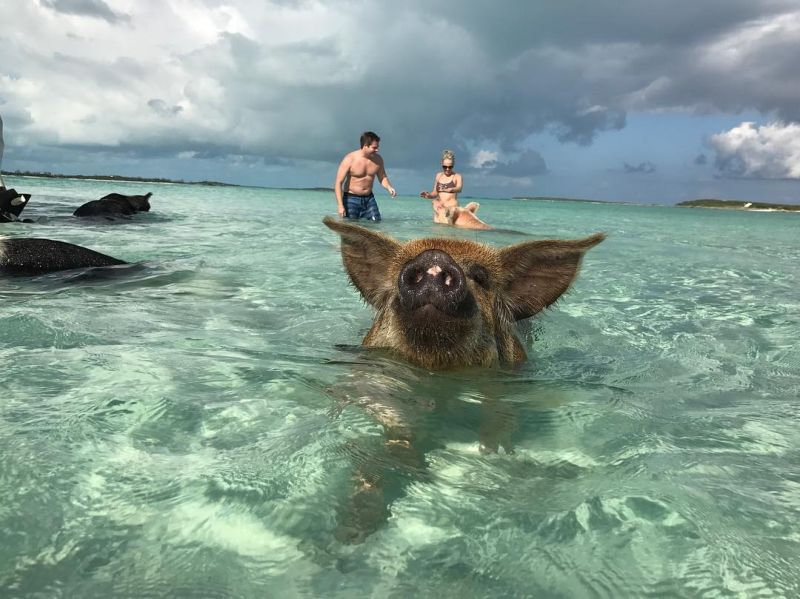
(447, 167)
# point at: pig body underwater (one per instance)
(447, 303)
(32, 256)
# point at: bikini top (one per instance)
(445, 186)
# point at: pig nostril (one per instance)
(448, 280)
(434, 270)
(418, 278)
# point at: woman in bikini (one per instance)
(446, 186)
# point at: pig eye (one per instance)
(478, 273)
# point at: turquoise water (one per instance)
(176, 430)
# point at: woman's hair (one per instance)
(448, 155)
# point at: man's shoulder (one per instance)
(350, 156)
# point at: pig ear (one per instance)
(538, 272)
(366, 256)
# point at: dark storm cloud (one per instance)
(123, 73)
(543, 89)
(577, 68)
(731, 165)
(575, 22)
(15, 116)
(503, 73)
(528, 164)
(161, 108)
(509, 105)
(646, 168)
(750, 69)
(86, 8)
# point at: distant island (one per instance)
(701, 203)
(738, 205)
(49, 175)
(552, 199)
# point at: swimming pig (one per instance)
(441, 304)
(12, 204)
(115, 205)
(30, 256)
(450, 303)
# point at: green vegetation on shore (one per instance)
(737, 205)
(49, 175)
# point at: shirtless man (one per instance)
(446, 187)
(356, 174)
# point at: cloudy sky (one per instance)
(653, 101)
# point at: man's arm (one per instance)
(384, 179)
(341, 175)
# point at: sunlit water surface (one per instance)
(176, 429)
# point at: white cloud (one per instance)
(483, 157)
(768, 152)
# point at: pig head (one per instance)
(452, 303)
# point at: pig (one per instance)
(115, 205)
(443, 304)
(32, 256)
(12, 204)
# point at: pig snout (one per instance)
(434, 279)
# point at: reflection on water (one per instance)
(203, 423)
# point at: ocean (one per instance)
(176, 429)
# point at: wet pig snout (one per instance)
(433, 277)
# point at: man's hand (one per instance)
(340, 210)
(392, 192)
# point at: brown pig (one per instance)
(446, 303)
(441, 304)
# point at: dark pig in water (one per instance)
(29, 256)
(452, 303)
(12, 204)
(115, 205)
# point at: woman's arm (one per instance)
(458, 184)
(432, 195)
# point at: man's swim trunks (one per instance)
(361, 207)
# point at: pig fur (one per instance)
(444, 303)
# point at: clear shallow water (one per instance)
(176, 429)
